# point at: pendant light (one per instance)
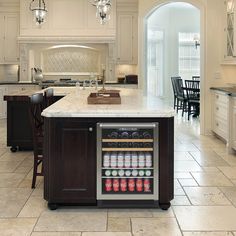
(103, 10)
(38, 7)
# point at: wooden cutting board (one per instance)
(104, 98)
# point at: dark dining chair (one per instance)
(192, 88)
(174, 90)
(181, 96)
(196, 77)
(36, 120)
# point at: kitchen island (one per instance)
(71, 147)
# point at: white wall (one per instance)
(173, 19)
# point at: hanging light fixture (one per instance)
(39, 11)
(103, 10)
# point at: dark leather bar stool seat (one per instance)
(36, 108)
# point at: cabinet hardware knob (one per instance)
(90, 129)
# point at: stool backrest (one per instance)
(48, 97)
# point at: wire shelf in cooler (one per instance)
(127, 177)
(127, 168)
(127, 140)
(127, 149)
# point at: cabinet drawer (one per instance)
(221, 98)
(221, 111)
(221, 128)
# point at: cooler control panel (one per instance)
(127, 165)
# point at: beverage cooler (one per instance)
(127, 161)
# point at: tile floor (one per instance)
(204, 204)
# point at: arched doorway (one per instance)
(145, 10)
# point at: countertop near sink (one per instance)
(18, 83)
(231, 91)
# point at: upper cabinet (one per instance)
(9, 49)
(67, 18)
(230, 31)
(127, 33)
(127, 38)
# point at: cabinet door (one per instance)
(74, 163)
(3, 104)
(2, 27)
(125, 39)
(11, 48)
(234, 125)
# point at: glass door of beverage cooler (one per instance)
(127, 161)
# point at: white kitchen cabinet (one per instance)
(127, 38)
(9, 49)
(233, 143)
(220, 114)
(3, 104)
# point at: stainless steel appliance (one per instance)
(127, 161)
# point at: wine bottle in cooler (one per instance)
(120, 160)
(141, 160)
(134, 160)
(148, 159)
(147, 135)
(124, 135)
(127, 160)
(113, 159)
(106, 159)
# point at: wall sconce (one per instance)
(196, 40)
(39, 10)
(103, 10)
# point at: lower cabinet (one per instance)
(234, 124)
(3, 104)
(71, 168)
(220, 115)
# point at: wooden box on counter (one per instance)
(104, 98)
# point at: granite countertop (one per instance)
(231, 91)
(18, 83)
(133, 104)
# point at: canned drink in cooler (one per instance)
(114, 173)
(116, 185)
(134, 173)
(131, 185)
(123, 185)
(113, 159)
(141, 173)
(139, 185)
(147, 186)
(148, 173)
(121, 173)
(107, 172)
(127, 173)
(108, 185)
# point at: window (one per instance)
(189, 55)
(155, 70)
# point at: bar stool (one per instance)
(36, 120)
(48, 97)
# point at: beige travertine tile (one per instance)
(208, 234)
(230, 193)
(206, 218)
(119, 224)
(10, 180)
(230, 159)
(56, 234)
(180, 201)
(188, 182)
(187, 166)
(208, 158)
(229, 172)
(155, 226)
(182, 156)
(8, 166)
(33, 207)
(210, 169)
(23, 169)
(213, 179)
(12, 200)
(15, 156)
(186, 148)
(106, 234)
(129, 213)
(17, 226)
(72, 220)
(182, 175)
(161, 213)
(178, 190)
(206, 196)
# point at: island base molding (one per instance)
(70, 161)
